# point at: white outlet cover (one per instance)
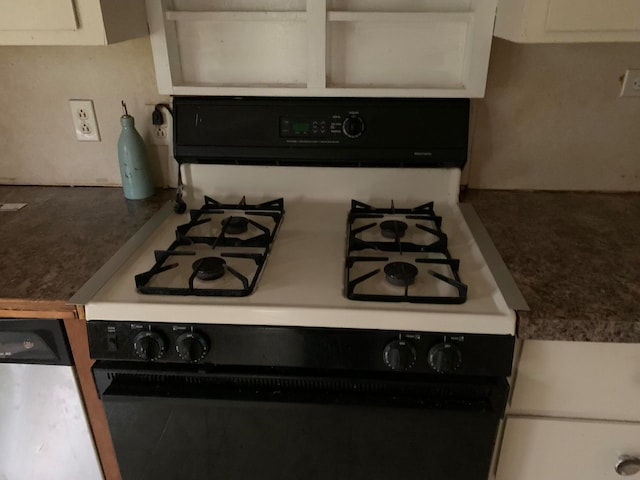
(84, 120)
(631, 84)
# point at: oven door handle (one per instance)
(479, 395)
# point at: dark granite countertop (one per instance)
(575, 257)
(63, 236)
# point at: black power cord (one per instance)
(156, 116)
(179, 206)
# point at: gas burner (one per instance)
(393, 229)
(209, 268)
(400, 274)
(382, 236)
(235, 225)
(218, 254)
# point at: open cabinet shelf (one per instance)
(423, 48)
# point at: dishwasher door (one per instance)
(44, 433)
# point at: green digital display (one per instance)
(300, 127)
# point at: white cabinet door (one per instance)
(71, 22)
(37, 15)
(539, 21)
(578, 380)
(548, 449)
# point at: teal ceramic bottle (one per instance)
(134, 164)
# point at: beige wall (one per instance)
(551, 119)
(37, 139)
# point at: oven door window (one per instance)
(241, 427)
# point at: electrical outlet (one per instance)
(631, 84)
(157, 134)
(160, 135)
(84, 120)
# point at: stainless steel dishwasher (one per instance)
(44, 433)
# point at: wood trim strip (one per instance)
(78, 339)
(36, 305)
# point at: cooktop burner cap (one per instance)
(209, 268)
(235, 225)
(393, 229)
(400, 274)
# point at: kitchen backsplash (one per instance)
(37, 138)
(551, 118)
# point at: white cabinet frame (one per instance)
(427, 49)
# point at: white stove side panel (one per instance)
(407, 187)
(373, 318)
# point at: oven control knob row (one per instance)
(192, 346)
(444, 358)
(353, 126)
(149, 345)
(399, 355)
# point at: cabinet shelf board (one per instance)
(184, 16)
(278, 90)
(393, 17)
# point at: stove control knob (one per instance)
(444, 358)
(353, 126)
(192, 346)
(149, 345)
(399, 355)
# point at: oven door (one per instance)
(233, 425)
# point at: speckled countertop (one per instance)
(63, 236)
(575, 257)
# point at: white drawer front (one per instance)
(550, 449)
(578, 380)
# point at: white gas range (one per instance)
(323, 293)
(303, 279)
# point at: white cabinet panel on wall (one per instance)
(579, 380)
(552, 449)
(71, 22)
(545, 21)
(404, 48)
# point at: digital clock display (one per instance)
(305, 127)
(301, 127)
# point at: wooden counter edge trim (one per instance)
(78, 338)
(11, 304)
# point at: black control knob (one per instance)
(149, 345)
(192, 346)
(353, 126)
(444, 358)
(399, 355)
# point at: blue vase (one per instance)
(134, 164)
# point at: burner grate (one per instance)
(214, 250)
(417, 270)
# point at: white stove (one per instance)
(303, 281)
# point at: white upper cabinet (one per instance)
(545, 21)
(400, 48)
(71, 22)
